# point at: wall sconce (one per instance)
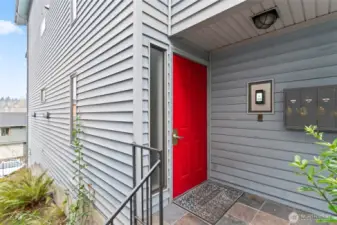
(34, 114)
(46, 115)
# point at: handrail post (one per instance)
(161, 184)
(132, 197)
(133, 192)
(134, 183)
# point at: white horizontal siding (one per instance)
(98, 46)
(255, 156)
(186, 13)
(155, 31)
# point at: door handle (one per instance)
(177, 137)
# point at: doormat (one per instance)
(209, 201)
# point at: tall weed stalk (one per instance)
(80, 208)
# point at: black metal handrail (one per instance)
(141, 218)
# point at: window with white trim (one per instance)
(73, 6)
(42, 26)
(157, 110)
(43, 95)
(73, 94)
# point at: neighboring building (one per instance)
(136, 70)
(12, 105)
(12, 135)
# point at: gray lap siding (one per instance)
(255, 156)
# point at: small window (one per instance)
(42, 26)
(73, 10)
(157, 109)
(4, 131)
(73, 94)
(43, 95)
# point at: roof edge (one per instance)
(22, 8)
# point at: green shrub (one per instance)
(25, 199)
(321, 172)
(28, 192)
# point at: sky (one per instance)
(12, 53)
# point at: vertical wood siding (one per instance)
(255, 156)
(98, 47)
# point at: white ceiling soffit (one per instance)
(236, 25)
(187, 13)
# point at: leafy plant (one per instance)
(321, 172)
(28, 192)
(26, 199)
(80, 208)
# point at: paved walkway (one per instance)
(248, 210)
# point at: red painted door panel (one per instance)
(190, 121)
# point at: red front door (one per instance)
(190, 122)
